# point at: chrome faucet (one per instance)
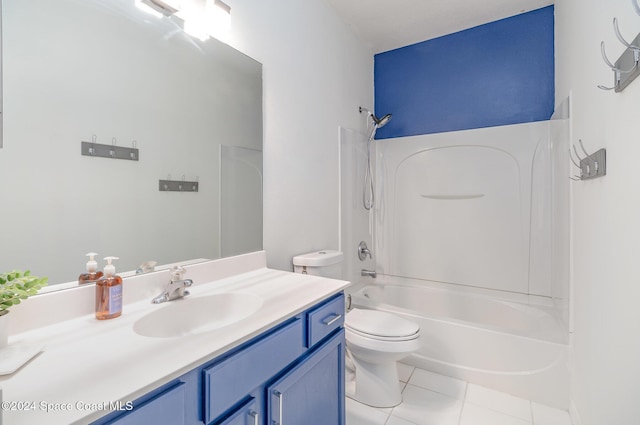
(176, 287)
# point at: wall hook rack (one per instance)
(627, 67)
(109, 151)
(591, 166)
(183, 185)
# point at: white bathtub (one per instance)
(502, 344)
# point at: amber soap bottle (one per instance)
(109, 293)
(92, 273)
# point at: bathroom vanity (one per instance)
(270, 377)
(283, 363)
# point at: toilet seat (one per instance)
(381, 326)
(386, 338)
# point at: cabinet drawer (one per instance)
(167, 408)
(324, 319)
(229, 381)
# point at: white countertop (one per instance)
(86, 361)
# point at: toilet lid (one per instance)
(380, 323)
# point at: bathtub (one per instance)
(500, 343)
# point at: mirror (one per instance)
(73, 69)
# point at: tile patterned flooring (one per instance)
(432, 399)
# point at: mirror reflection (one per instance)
(83, 70)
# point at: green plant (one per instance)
(16, 286)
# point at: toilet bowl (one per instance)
(376, 340)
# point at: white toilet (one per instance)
(376, 340)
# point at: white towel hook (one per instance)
(618, 75)
(576, 152)
(601, 87)
(589, 158)
(591, 166)
(612, 66)
(573, 160)
(616, 29)
(582, 147)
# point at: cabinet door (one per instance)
(167, 408)
(247, 414)
(312, 393)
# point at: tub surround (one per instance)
(488, 195)
(485, 276)
(93, 362)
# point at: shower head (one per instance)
(382, 121)
(379, 122)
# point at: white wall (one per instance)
(606, 211)
(316, 74)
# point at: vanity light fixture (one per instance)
(207, 18)
(157, 8)
(199, 18)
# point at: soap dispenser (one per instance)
(109, 292)
(92, 273)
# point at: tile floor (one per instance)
(431, 399)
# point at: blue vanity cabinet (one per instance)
(292, 374)
(166, 408)
(168, 405)
(312, 393)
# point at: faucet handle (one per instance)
(177, 272)
(363, 251)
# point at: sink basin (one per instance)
(195, 315)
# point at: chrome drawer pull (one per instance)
(280, 398)
(255, 417)
(330, 322)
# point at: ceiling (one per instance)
(389, 24)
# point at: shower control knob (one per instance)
(363, 251)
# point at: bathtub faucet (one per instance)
(370, 273)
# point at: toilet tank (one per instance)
(325, 263)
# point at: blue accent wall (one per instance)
(496, 74)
